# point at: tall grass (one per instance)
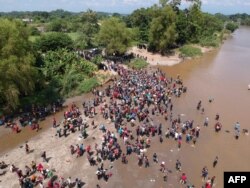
(88, 84)
(138, 63)
(190, 51)
(213, 41)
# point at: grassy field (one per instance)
(72, 35)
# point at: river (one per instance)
(223, 75)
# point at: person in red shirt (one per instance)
(183, 178)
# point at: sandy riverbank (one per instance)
(58, 152)
(158, 59)
(67, 165)
(12, 145)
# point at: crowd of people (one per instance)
(132, 103)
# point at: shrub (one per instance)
(232, 26)
(53, 41)
(88, 84)
(190, 51)
(213, 41)
(138, 63)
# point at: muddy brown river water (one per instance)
(223, 75)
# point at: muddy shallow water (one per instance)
(222, 75)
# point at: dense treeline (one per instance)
(244, 19)
(39, 51)
(18, 75)
(38, 72)
(166, 26)
(44, 16)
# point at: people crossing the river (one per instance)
(139, 106)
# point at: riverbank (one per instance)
(61, 162)
(130, 175)
(209, 145)
(156, 59)
(57, 149)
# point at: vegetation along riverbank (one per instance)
(83, 102)
(47, 56)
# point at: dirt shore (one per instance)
(156, 58)
(66, 165)
(60, 159)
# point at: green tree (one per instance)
(57, 25)
(173, 3)
(195, 20)
(66, 69)
(34, 31)
(163, 3)
(88, 29)
(53, 41)
(97, 60)
(162, 33)
(81, 41)
(182, 27)
(140, 19)
(114, 36)
(211, 24)
(18, 76)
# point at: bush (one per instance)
(232, 26)
(213, 41)
(190, 51)
(53, 41)
(34, 31)
(88, 84)
(138, 63)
